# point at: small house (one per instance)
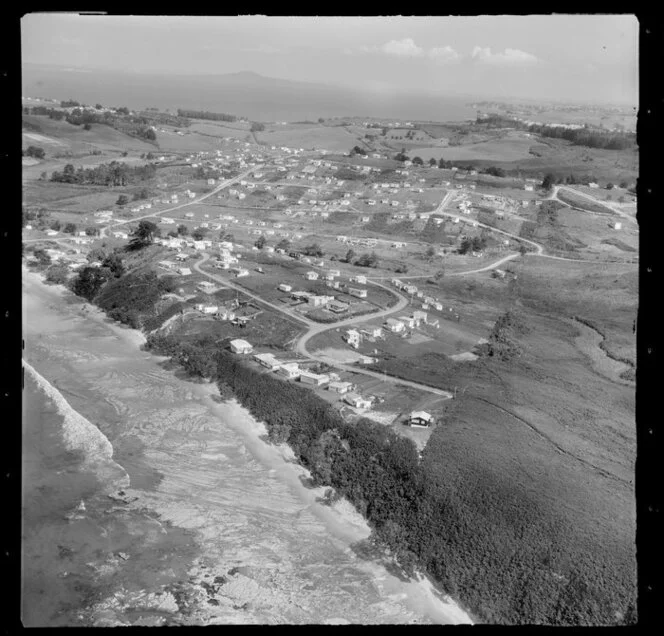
(311, 275)
(420, 419)
(240, 346)
(290, 370)
(357, 401)
(337, 307)
(313, 378)
(184, 271)
(373, 332)
(284, 288)
(395, 326)
(339, 387)
(353, 338)
(267, 360)
(358, 293)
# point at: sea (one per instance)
(264, 99)
(147, 502)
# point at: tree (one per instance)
(36, 152)
(199, 233)
(57, 274)
(418, 161)
(55, 225)
(430, 253)
(43, 176)
(624, 185)
(320, 120)
(432, 162)
(609, 186)
(150, 134)
(368, 260)
(401, 156)
(143, 235)
(350, 255)
(548, 181)
(260, 242)
(70, 228)
(123, 199)
(91, 231)
(98, 106)
(42, 256)
(89, 282)
(257, 127)
(114, 264)
(141, 194)
(523, 250)
(313, 250)
(86, 126)
(182, 229)
(401, 268)
(283, 244)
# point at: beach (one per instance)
(171, 508)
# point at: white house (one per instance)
(617, 226)
(353, 338)
(284, 288)
(311, 275)
(313, 378)
(290, 370)
(357, 401)
(361, 279)
(395, 326)
(358, 293)
(184, 271)
(339, 387)
(267, 360)
(240, 346)
(421, 419)
(319, 301)
(372, 332)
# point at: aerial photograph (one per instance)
(329, 320)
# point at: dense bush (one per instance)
(114, 173)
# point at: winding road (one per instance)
(315, 328)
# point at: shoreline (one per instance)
(341, 519)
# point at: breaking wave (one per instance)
(79, 434)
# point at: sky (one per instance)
(561, 57)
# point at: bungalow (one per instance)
(410, 289)
(334, 272)
(334, 284)
(357, 401)
(290, 370)
(358, 293)
(420, 315)
(240, 272)
(420, 418)
(319, 301)
(313, 378)
(395, 326)
(353, 338)
(301, 295)
(361, 279)
(371, 202)
(267, 360)
(528, 187)
(207, 309)
(225, 314)
(337, 307)
(398, 244)
(120, 235)
(311, 275)
(184, 271)
(372, 332)
(181, 256)
(339, 387)
(167, 264)
(284, 288)
(240, 346)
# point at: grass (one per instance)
(582, 202)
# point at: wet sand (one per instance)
(216, 526)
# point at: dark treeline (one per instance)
(114, 173)
(590, 137)
(205, 114)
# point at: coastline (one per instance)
(342, 521)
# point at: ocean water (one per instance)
(263, 102)
(214, 525)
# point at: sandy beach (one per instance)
(206, 523)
